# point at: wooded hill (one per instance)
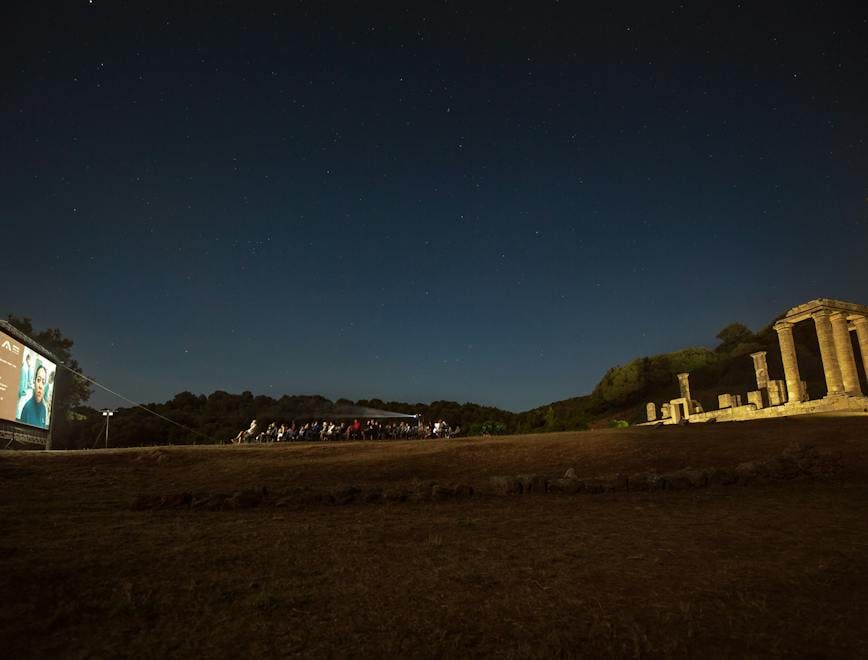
(625, 389)
(619, 397)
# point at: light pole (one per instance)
(108, 415)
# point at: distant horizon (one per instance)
(101, 399)
(104, 399)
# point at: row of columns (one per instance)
(836, 351)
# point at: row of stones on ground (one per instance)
(246, 499)
(796, 461)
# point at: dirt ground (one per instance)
(771, 568)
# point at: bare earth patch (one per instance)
(766, 567)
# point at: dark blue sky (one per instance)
(429, 201)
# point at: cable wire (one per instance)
(133, 403)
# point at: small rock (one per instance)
(346, 494)
(748, 471)
(245, 499)
(800, 450)
(655, 481)
(422, 490)
(570, 474)
(721, 477)
(373, 495)
(593, 485)
(532, 483)
(440, 493)
(615, 483)
(565, 485)
(209, 501)
(177, 501)
(395, 495)
(698, 478)
(307, 496)
(505, 485)
(146, 502)
(463, 490)
(637, 482)
(783, 467)
(677, 480)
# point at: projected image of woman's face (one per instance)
(39, 384)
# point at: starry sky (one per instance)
(487, 202)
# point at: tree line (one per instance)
(621, 394)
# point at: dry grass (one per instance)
(777, 569)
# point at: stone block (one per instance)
(777, 393)
(724, 401)
(678, 409)
(756, 398)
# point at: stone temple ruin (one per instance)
(833, 320)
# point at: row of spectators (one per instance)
(372, 429)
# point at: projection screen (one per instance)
(26, 384)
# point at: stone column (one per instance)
(684, 386)
(788, 356)
(834, 384)
(761, 369)
(651, 411)
(861, 324)
(844, 353)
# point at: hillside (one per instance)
(625, 389)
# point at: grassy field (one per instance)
(766, 568)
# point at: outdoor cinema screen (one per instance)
(26, 384)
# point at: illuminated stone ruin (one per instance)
(833, 321)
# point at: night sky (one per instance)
(454, 200)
